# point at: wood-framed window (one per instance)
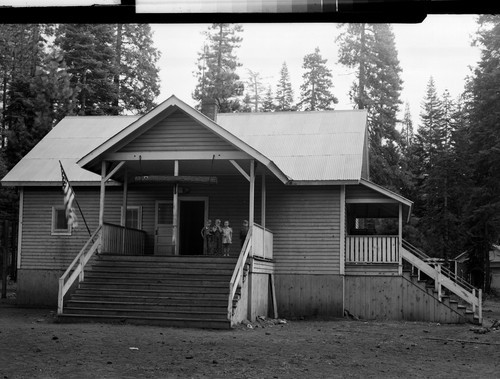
(134, 217)
(60, 225)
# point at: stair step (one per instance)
(171, 300)
(126, 312)
(160, 273)
(167, 258)
(141, 320)
(154, 288)
(140, 305)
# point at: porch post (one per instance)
(103, 191)
(263, 201)
(175, 210)
(400, 232)
(124, 209)
(342, 230)
(252, 194)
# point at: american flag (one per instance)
(69, 196)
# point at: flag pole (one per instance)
(76, 200)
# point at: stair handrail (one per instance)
(77, 267)
(444, 270)
(468, 294)
(236, 278)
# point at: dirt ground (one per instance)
(34, 345)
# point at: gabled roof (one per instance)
(147, 121)
(298, 147)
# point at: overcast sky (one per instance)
(439, 47)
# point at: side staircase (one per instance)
(180, 291)
(456, 301)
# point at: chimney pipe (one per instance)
(209, 108)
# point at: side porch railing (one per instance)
(443, 277)
(76, 269)
(372, 249)
(118, 239)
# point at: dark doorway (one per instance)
(191, 220)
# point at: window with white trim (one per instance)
(59, 222)
(134, 217)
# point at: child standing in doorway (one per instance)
(227, 238)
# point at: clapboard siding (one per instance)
(305, 221)
(362, 192)
(178, 132)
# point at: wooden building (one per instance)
(146, 185)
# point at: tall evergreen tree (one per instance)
(255, 89)
(370, 50)
(268, 102)
(284, 91)
(439, 194)
(136, 79)
(217, 64)
(114, 66)
(483, 150)
(316, 88)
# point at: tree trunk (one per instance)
(362, 74)
(116, 79)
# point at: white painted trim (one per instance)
(263, 202)
(53, 230)
(175, 155)
(321, 182)
(139, 214)
(20, 227)
(342, 229)
(155, 249)
(240, 169)
(251, 213)
(371, 201)
(102, 194)
(175, 220)
(114, 171)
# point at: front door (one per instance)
(192, 214)
(163, 228)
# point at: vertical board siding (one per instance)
(305, 295)
(393, 298)
(305, 222)
(178, 132)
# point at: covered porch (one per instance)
(374, 219)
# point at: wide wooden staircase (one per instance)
(179, 291)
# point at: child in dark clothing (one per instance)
(243, 232)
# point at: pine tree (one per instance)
(316, 88)
(113, 66)
(89, 53)
(136, 79)
(483, 150)
(370, 49)
(407, 133)
(268, 103)
(284, 91)
(255, 88)
(217, 64)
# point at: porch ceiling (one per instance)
(186, 167)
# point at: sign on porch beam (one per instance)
(175, 179)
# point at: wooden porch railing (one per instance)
(372, 249)
(77, 268)
(443, 277)
(262, 242)
(118, 239)
(237, 278)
